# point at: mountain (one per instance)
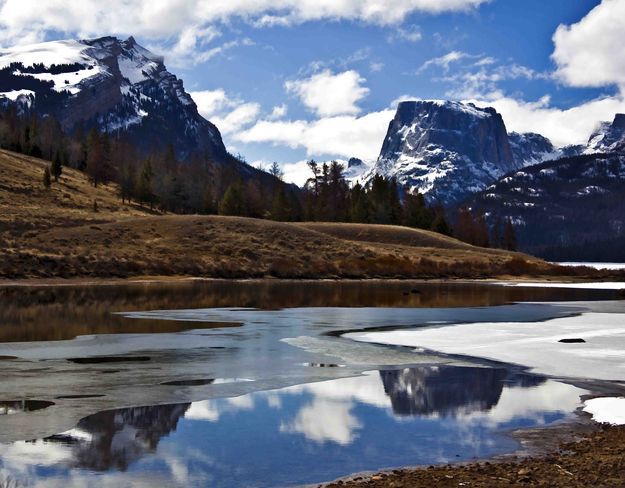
(608, 137)
(449, 150)
(114, 85)
(531, 148)
(573, 203)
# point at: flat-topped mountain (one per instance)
(448, 150)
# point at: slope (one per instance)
(55, 233)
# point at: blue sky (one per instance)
(288, 80)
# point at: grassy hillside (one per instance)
(56, 233)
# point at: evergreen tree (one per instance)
(416, 212)
(280, 210)
(509, 236)
(496, 235)
(57, 167)
(233, 201)
(126, 182)
(360, 207)
(394, 203)
(145, 191)
(276, 171)
(47, 180)
(441, 225)
(95, 157)
(99, 166)
(465, 226)
(481, 231)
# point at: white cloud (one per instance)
(444, 61)
(328, 94)
(278, 112)
(228, 114)
(297, 172)
(189, 24)
(375, 67)
(239, 118)
(472, 83)
(342, 136)
(409, 34)
(209, 102)
(563, 126)
(403, 98)
(590, 52)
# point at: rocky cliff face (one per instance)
(117, 86)
(608, 137)
(448, 150)
(531, 148)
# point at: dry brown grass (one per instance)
(56, 233)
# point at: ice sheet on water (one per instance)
(609, 410)
(532, 344)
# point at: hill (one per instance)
(55, 232)
(566, 209)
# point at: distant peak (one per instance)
(619, 121)
(131, 41)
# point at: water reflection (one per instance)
(59, 313)
(449, 391)
(19, 406)
(301, 434)
(115, 439)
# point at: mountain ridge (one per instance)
(115, 85)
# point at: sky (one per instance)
(291, 80)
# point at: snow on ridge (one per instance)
(15, 94)
(465, 107)
(46, 53)
(134, 70)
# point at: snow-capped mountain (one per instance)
(356, 170)
(116, 85)
(449, 150)
(531, 148)
(608, 137)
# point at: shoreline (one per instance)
(546, 456)
(142, 280)
(588, 454)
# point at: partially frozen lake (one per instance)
(256, 384)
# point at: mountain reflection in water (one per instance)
(446, 391)
(301, 434)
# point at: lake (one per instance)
(253, 384)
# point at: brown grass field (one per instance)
(55, 233)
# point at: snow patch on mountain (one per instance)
(115, 84)
(444, 149)
(14, 95)
(608, 137)
(46, 53)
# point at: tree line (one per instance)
(472, 227)
(161, 182)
